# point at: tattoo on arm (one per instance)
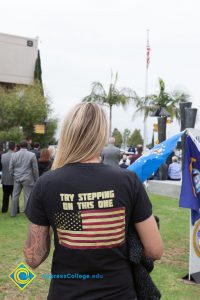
(37, 245)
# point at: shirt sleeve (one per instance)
(35, 211)
(142, 208)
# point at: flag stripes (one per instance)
(148, 55)
(99, 229)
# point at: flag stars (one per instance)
(68, 221)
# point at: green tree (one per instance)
(161, 105)
(125, 137)
(38, 72)
(118, 137)
(135, 138)
(13, 134)
(20, 109)
(113, 97)
(38, 69)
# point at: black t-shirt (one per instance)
(89, 206)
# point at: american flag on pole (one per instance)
(91, 229)
(148, 52)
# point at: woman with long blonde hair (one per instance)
(89, 206)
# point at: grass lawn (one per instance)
(167, 275)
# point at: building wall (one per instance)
(17, 59)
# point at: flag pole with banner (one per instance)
(151, 160)
(148, 49)
(190, 198)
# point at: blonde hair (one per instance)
(83, 135)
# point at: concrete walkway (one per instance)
(167, 188)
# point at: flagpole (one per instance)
(190, 247)
(146, 88)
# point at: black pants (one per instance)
(173, 179)
(7, 192)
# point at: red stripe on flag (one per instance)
(62, 235)
(102, 216)
(148, 55)
(102, 223)
(103, 229)
(101, 210)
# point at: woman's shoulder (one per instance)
(119, 172)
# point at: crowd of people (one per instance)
(111, 155)
(170, 170)
(21, 166)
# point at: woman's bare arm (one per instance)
(150, 238)
(37, 245)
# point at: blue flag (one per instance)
(190, 189)
(149, 162)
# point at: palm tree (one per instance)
(114, 97)
(161, 105)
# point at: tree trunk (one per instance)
(110, 125)
(162, 129)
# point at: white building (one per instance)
(17, 59)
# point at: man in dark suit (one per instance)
(7, 179)
(36, 150)
(111, 154)
(24, 169)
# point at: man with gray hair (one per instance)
(111, 154)
(174, 170)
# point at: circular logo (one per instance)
(196, 238)
(21, 276)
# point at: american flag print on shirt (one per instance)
(91, 229)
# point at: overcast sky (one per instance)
(82, 40)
